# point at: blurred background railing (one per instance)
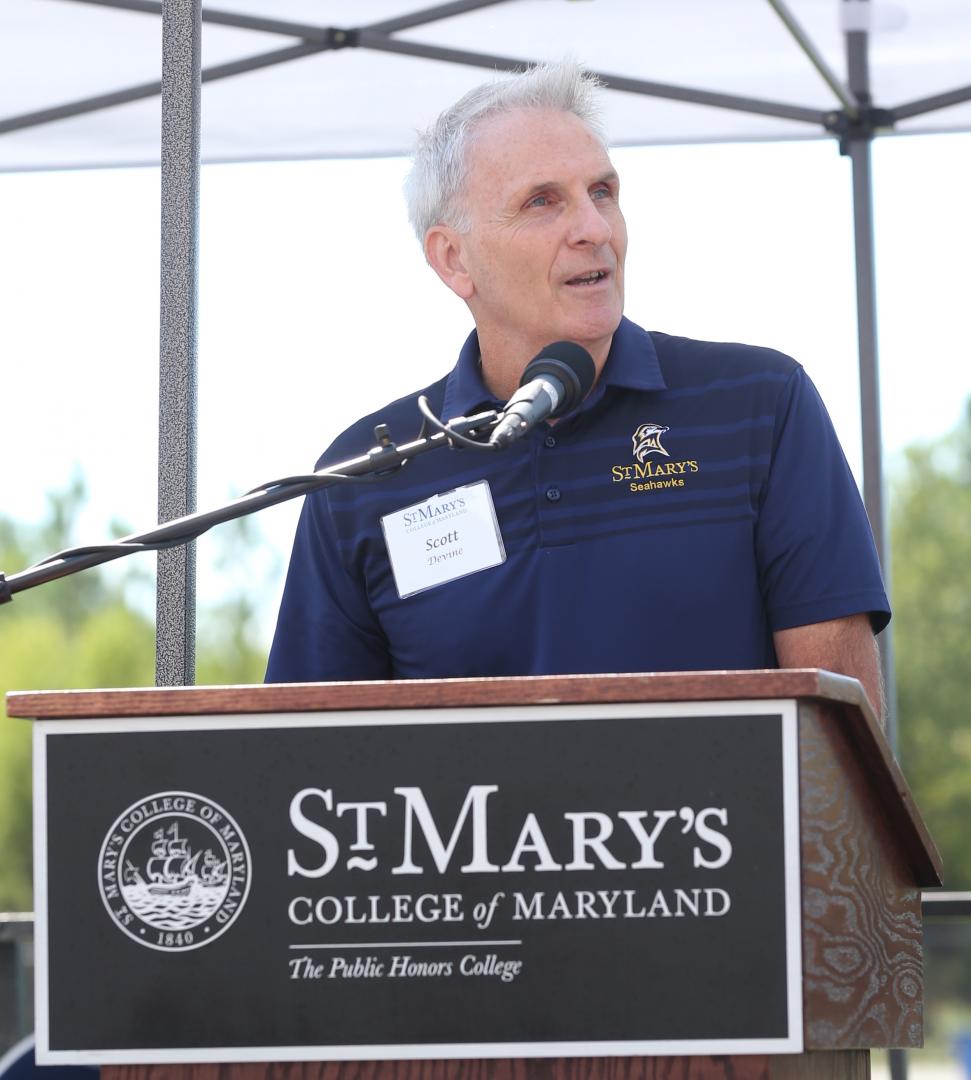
(16, 977)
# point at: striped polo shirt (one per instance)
(696, 501)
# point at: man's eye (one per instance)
(600, 193)
(539, 200)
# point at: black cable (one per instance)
(310, 478)
(378, 463)
(454, 437)
(122, 546)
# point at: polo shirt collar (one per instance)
(632, 364)
(465, 390)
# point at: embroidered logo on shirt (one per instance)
(647, 474)
(647, 440)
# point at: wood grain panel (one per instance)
(755, 1067)
(439, 693)
(862, 955)
(820, 1065)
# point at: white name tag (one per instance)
(446, 537)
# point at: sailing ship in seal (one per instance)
(173, 867)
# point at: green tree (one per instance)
(79, 632)
(229, 650)
(931, 551)
(92, 630)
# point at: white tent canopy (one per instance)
(79, 79)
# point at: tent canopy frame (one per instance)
(853, 125)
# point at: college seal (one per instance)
(174, 871)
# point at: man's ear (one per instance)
(443, 250)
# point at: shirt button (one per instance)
(549, 442)
(553, 494)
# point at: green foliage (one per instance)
(76, 633)
(931, 551)
(15, 818)
(90, 630)
(227, 652)
(112, 646)
(227, 655)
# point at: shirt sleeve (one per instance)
(326, 630)
(817, 559)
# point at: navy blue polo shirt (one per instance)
(697, 501)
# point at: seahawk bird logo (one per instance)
(647, 440)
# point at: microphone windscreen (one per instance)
(568, 362)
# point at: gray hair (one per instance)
(434, 186)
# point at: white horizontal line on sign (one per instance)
(402, 944)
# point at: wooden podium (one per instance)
(864, 855)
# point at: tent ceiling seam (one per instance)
(306, 31)
(430, 15)
(931, 104)
(857, 119)
(237, 20)
(154, 89)
(814, 56)
(385, 43)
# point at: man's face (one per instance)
(545, 254)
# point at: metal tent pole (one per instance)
(857, 144)
(181, 90)
(859, 152)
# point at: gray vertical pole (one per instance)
(866, 313)
(873, 486)
(870, 405)
(859, 150)
(860, 153)
(181, 91)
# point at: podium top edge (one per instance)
(438, 693)
(807, 684)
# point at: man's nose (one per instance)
(588, 225)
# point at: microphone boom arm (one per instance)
(376, 464)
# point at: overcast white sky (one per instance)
(316, 306)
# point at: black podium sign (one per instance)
(508, 882)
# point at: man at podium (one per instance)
(694, 511)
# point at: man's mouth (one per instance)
(588, 279)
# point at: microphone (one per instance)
(554, 382)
